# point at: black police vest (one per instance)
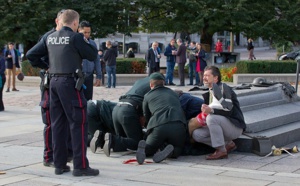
(63, 56)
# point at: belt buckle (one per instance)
(125, 103)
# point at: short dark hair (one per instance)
(83, 24)
(215, 72)
(11, 43)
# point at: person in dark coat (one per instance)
(165, 121)
(128, 119)
(153, 58)
(12, 63)
(130, 53)
(110, 58)
(181, 60)
(201, 63)
(66, 50)
(99, 114)
(171, 61)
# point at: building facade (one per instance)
(140, 42)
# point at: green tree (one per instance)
(271, 19)
(25, 21)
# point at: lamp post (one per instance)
(124, 11)
(124, 38)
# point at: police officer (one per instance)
(127, 119)
(100, 121)
(165, 122)
(45, 101)
(68, 109)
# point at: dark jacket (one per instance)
(250, 45)
(235, 115)
(43, 62)
(168, 53)
(136, 94)
(130, 54)
(192, 52)
(161, 105)
(9, 61)
(190, 104)
(201, 56)
(151, 57)
(181, 54)
(110, 56)
(2, 66)
(66, 51)
(88, 67)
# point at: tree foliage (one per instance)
(24, 21)
(277, 20)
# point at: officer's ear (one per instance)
(151, 84)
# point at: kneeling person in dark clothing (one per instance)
(128, 119)
(165, 121)
(99, 114)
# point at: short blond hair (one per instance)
(68, 16)
(108, 43)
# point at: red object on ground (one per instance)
(133, 160)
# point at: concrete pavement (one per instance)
(21, 144)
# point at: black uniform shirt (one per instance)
(65, 48)
(42, 62)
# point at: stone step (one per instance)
(257, 99)
(262, 105)
(279, 137)
(270, 117)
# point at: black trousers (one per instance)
(89, 83)
(47, 133)
(128, 128)
(181, 73)
(156, 68)
(1, 93)
(171, 133)
(68, 113)
(99, 118)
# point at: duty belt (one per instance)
(62, 75)
(124, 103)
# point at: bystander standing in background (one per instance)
(12, 60)
(88, 67)
(110, 58)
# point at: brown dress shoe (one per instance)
(217, 155)
(7, 90)
(14, 89)
(230, 147)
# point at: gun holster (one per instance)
(80, 79)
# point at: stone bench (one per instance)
(122, 79)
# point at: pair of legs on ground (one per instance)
(11, 77)
(169, 137)
(218, 134)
